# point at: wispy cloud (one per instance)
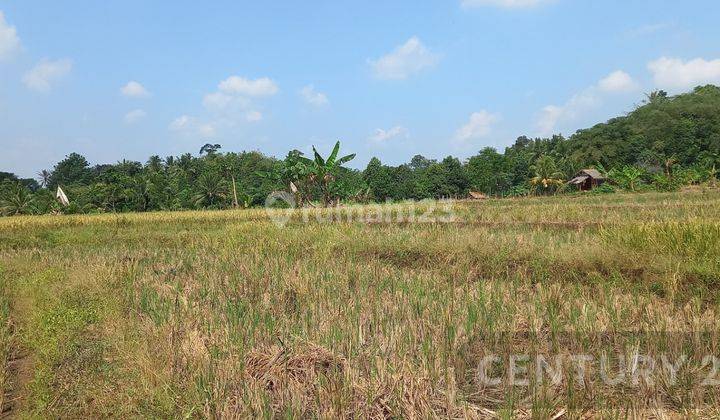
(134, 116)
(237, 85)
(253, 116)
(404, 61)
(382, 136)
(313, 97)
(188, 125)
(41, 77)
(551, 116)
(9, 39)
(134, 89)
(217, 101)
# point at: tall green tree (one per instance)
(488, 172)
(73, 170)
(379, 180)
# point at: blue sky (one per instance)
(392, 79)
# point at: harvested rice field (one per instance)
(550, 307)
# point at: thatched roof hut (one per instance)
(474, 195)
(587, 179)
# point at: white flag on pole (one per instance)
(62, 198)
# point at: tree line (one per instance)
(664, 143)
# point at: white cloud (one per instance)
(232, 104)
(381, 136)
(181, 123)
(552, 115)
(506, 4)
(676, 74)
(246, 87)
(188, 125)
(134, 89)
(134, 116)
(9, 40)
(41, 77)
(548, 119)
(216, 101)
(405, 60)
(234, 96)
(479, 125)
(618, 81)
(253, 116)
(313, 97)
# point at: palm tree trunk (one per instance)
(235, 199)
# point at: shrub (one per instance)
(518, 191)
(603, 189)
(665, 183)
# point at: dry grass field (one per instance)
(225, 314)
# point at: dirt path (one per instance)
(19, 369)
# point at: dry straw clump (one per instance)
(309, 379)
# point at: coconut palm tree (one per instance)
(154, 163)
(16, 200)
(547, 176)
(44, 177)
(211, 190)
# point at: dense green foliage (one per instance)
(663, 144)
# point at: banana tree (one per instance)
(323, 170)
(628, 177)
(293, 173)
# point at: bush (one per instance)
(603, 189)
(518, 191)
(627, 177)
(665, 183)
(690, 176)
